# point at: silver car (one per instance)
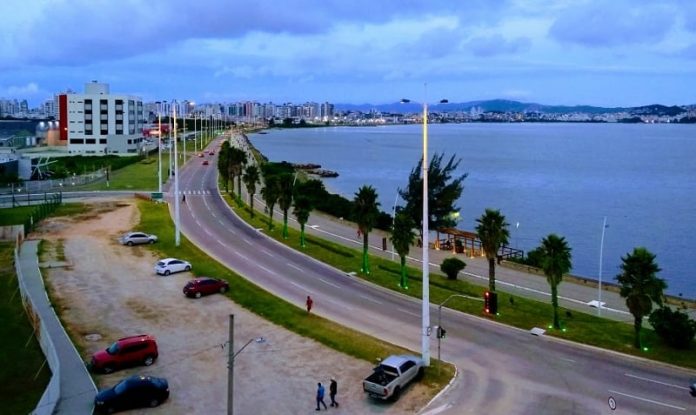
(136, 238)
(171, 265)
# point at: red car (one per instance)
(212, 153)
(204, 286)
(205, 162)
(125, 352)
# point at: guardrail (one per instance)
(51, 396)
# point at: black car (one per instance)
(132, 392)
(692, 388)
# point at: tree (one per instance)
(223, 163)
(365, 212)
(236, 160)
(451, 267)
(251, 178)
(640, 286)
(493, 232)
(402, 238)
(443, 192)
(270, 193)
(285, 198)
(303, 207)
(673, 326)
(555, 261)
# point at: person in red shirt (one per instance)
(309, 304)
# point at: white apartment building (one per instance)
(98, 122)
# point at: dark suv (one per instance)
(125, 352)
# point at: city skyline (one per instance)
(618, 54)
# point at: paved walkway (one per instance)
(77, 390)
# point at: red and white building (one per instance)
(98, 122)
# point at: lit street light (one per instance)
(425, 335)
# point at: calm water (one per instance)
(561, 178)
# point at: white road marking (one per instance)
(267, 252)
(370, 299)
(648, 400)
(298, 286)
(411, 313)
(568, 360)
(291, 265)
(244, 257)
(656, 381)
(329, 283)
(247, 241)
(266, 269)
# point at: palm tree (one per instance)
(285, 199)
(493, 232)
(303, 207)
(402, 238)
(251, 178)
(555, 261)
(270, 193)
(223, 163)
(365, 212)
(640, 286)
(237, 158)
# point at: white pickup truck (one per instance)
(392, 375)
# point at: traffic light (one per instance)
(490, 302)
(441, 333)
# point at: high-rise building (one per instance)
(98, 122)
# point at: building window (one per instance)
(77, 141)
(91, 141)
(102, 141)
(88, 132)
(104, 132)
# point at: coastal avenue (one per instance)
(501, 370)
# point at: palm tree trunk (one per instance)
(302, 238)
(637, 324)
(251, 204)
(404, 274)
(366, 262)
(554, 303)
(491, 274)
(270, 217)
(285, 224)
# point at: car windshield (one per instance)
(161, 264)
(121, 387)
(113, 349)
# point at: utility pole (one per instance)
(230, 368)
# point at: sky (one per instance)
(556, 52)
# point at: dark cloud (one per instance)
(613, 23)
(496, 45)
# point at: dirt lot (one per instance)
(112, 291)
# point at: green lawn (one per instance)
(17, 215)
(520, 312)
(22, 376)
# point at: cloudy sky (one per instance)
(596, 52)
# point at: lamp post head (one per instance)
(405, 101)
(444, 101)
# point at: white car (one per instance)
(171, 265)
(136, 238)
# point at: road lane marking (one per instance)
(648, 400)
(656, 381)
(266, 269)
(330, 283)
(370, 299)
(298, 286)
(411, 313)
(267, 252)
(568, 360)
(291, 265)
(247, 241)
(244, 257)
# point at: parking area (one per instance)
(108, 291)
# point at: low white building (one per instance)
(98, 122)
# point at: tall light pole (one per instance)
(599, 287)
(177, 236)
(159, 151)
(394, 221)
(425, 335)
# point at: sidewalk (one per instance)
(571, 295)
(77, 390)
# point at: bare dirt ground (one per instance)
(112, 290)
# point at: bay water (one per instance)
(561, 178)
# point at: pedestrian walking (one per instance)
(320, 396)
(310, 302)
(333, 389)
(183, 198)
(359, 233)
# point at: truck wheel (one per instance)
(396, 394)
(421, 373)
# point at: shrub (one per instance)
(674, 327)
(451, 267)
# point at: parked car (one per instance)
(205, 286)
(171, 265)
(205, 162)
(392, 375)
(692, 388)
(136, 238)
(200, 154)
(132, 392)
(212, 153)
(126, 352)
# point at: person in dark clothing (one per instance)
(320, 396)
(309, 304)
(333, 389)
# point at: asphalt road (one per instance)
(502, 370)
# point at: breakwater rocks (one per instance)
(315, 169)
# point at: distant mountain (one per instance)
(502, 105)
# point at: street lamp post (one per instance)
(230, 363)
(599, 287)
(177, 235)
(425, 334)
(159, 151)
(394, 221)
